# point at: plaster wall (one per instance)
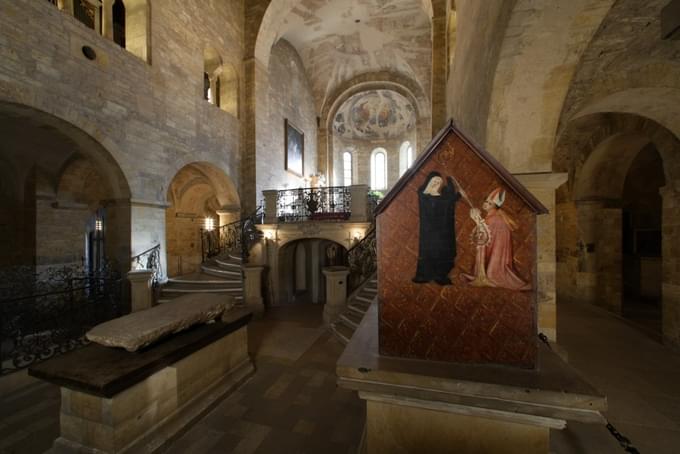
(288, 97)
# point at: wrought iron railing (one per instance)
(362, 258)
(314, 204)
(234, 238)
(150, 260)
(47, 313)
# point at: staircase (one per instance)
(357, 305)
(219, 275)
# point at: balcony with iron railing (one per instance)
(325, 204)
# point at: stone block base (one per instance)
(149, 414)
(404, 428)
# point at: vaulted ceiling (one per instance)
(340, 39)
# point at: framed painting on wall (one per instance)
(295, 149)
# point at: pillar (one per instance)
(359, 206)
(599, 278)
(107, 19)
(336, 292)
(140, 289)
(270, 208)
(252, 290)
(148, 230)
(543, 186)
(670, 253)
(254, 112)
(439, 64)
(324, 152)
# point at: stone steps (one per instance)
(348, 321)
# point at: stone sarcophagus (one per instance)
(457, 260)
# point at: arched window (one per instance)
(217, 92)
(119, 23)
(347, 168)
(206, 87)
(379, 169)
(405, 157)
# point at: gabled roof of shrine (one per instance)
(484, 155)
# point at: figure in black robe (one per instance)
(437, 245)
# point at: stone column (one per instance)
(439, 65)
(107, 19)
(599, 278)
(255, 110)
(148, 229)
(270, 206)
(140, 289)
(359, 193)
(336, 292)
(323, 151)
(252, 290)
(543, 186)
(670, 252)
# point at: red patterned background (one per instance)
(458, 322)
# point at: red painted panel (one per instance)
(458, 322)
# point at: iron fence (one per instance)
(46, 313)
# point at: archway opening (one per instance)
(301, 262)
(641, 239)
(65, 201)
(201, 197)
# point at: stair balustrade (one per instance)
(150, 260)
(362, 260)
(234, 238)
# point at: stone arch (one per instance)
(525, 106)
(599, 151)
(73, 153)
(292, 272)
(198, 190)
(381, 80)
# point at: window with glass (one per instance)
(379, 169)
(347, 168)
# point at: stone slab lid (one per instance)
(142, 328)
(484, 155)
(105, 372)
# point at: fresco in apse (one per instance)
(376, 114)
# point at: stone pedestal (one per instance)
(437, 407)
(253, 289)
(140, 289)
(336, 292)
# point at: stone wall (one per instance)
(151, 118)
(289, 97)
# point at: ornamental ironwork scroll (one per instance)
(43, 314)
(314, 204)
(362, 260)
(235, 238)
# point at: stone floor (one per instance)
(292, 405)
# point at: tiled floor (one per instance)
(292, 405)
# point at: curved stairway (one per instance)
(357, 305)
(218, 275)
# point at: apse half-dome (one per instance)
(375, 114)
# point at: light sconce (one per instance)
(98, 225)
(269, 235)
(209, 224)
(358, 235)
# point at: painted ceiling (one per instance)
(340, 39)
(375, 114)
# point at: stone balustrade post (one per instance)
(270, 197)
(141, 296)
(336, 292)
(359, 207)
(252, 291)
